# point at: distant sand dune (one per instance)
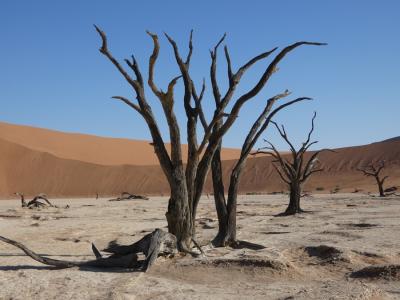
(88, 148)
(30, 164)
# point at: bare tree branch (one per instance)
(159, 145)
(129, 103)
(104, 50)
(189, 56)
(282, 133)
(152, 62)
(229, 63)
(135, 67)
(197, 99)
(213, 71)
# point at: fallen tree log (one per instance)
(151, 245)
(125, 196)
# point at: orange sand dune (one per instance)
(340, 170)
(31, 171)
(88, 148)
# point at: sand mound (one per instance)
(205, 270)
(258, 262)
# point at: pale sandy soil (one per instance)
(363, 231)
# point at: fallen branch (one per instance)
(125, 196)
(151, 245)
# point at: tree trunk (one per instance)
(380, 186)
(219, 198)
(226, 211)
(179, 217)
(294, 201)
(230, 236)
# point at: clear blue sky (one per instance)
(52, 75)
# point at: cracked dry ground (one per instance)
(345, 247)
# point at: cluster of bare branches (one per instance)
(374, 169)
(187, 182)
(39, 201)
(35, 202)
(296, 168)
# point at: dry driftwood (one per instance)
(151, 245)
(125, 196)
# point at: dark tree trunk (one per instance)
(227, 210)
(294, 201)
(380, 186)
(178, 216)
(219, 198)
(230, 237)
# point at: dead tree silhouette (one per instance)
(294, 169)
(226, 208)
(35, 202)
(374, 169)
(187, 181)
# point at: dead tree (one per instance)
(125, 196)
(151, 245)
(35, 202)
(294, 169)
(226, 208)
(187, 181)
(374, 170)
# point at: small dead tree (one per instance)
(294, 169)
(187, 181)
(35, 202)
(226, 208)
(374, 170)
